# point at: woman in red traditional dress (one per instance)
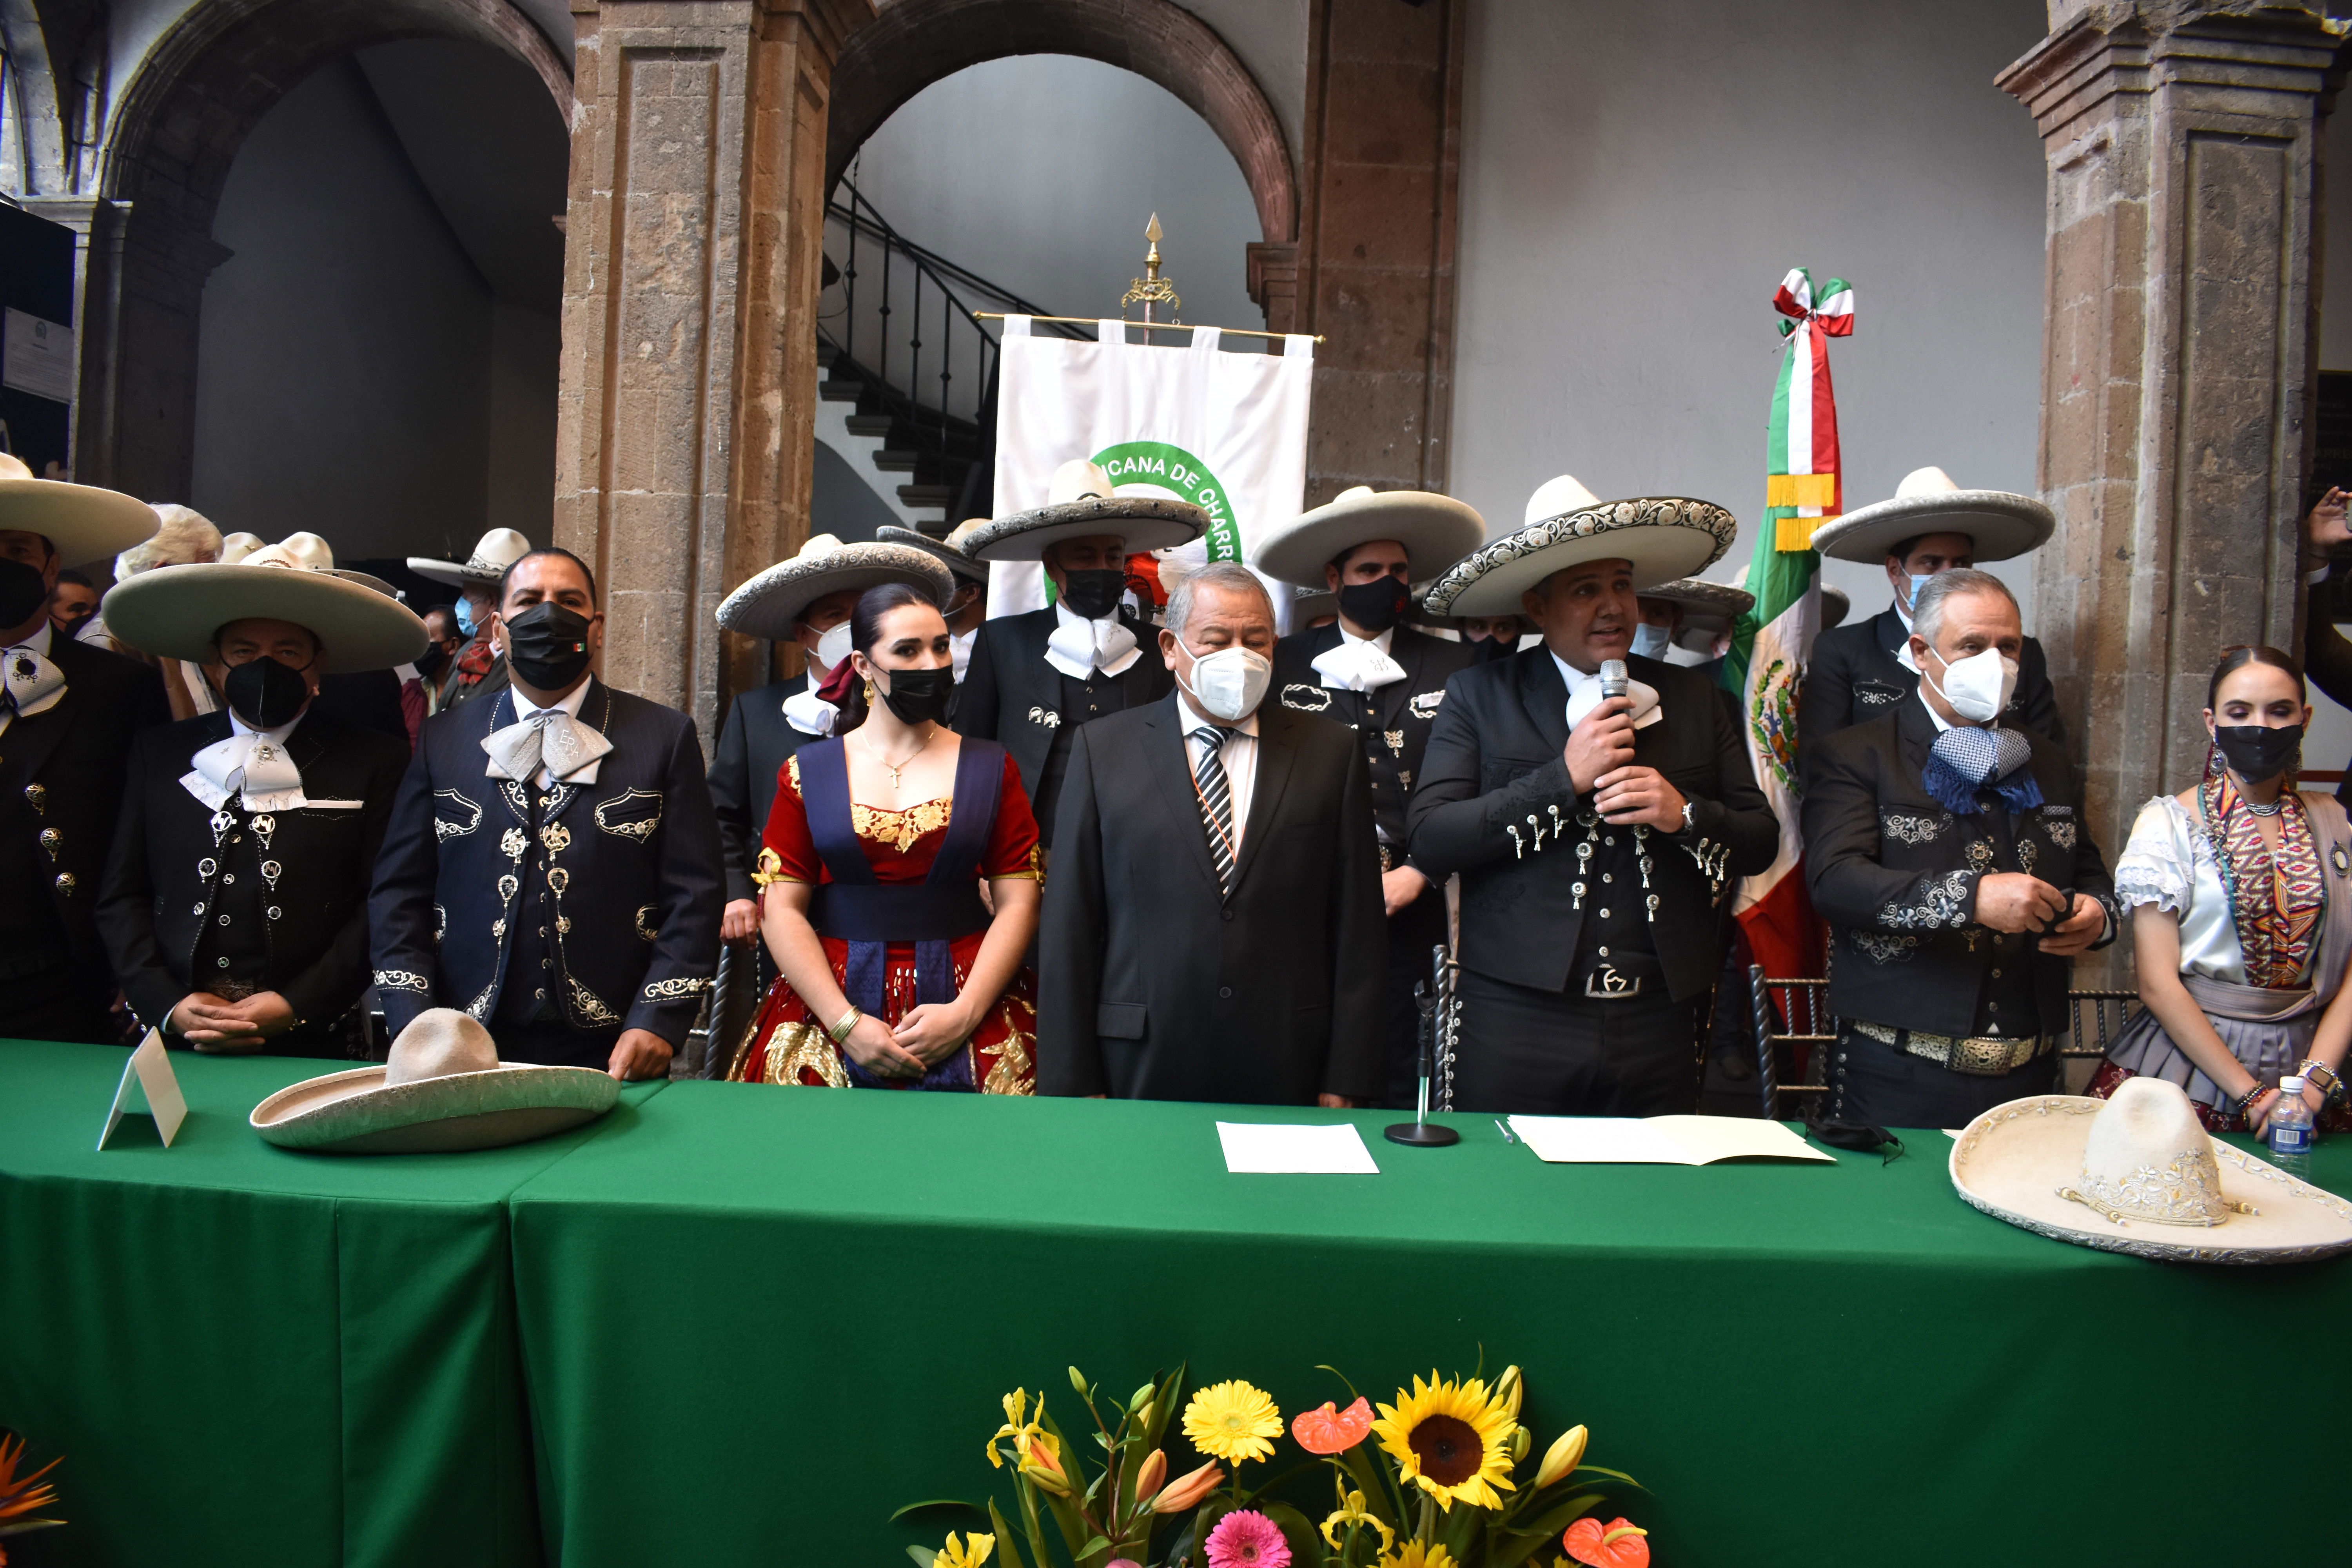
(896, 974)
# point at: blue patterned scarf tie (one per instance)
(1965, 760)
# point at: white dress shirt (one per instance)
(1239, 755)
(568, 705)
(1584, 695)
(960, 650)
(39, 643)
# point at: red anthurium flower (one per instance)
(1617, 1544)
(1330, 1431)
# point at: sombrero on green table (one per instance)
(1662, 537)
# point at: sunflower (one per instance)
(1413, 1555)
(1232, 1422)
(1452, 1439)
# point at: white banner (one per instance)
(1226, 432)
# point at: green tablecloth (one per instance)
(1807, 1365)
(253, 1356)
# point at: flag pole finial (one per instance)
(1151, 290)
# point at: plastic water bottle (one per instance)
(2289, 1131)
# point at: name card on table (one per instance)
(1660, 1140)
(1278, 1149)
(149, 1075)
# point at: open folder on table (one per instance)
(1660, 1140)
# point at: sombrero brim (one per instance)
(1662, 537)
(357, 1112)
(173, 612)
(2002, 524)
(83, 522)
(1436, 531)
(1835, 607)
(770, 605)
(1708, 609)
(1145, 522)
(2010, 1162)
(946, 554)
(456, 574)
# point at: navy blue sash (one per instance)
(869, 914)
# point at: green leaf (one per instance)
(1612, 1475)
(1272, 1481)
(1382, 1497)
(1567, 1513)
(1304, 1545)
(935, 1502)
(1004, 1548)
(924, 1556)
(1095, 1544)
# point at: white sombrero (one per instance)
(770, 605)
(948, 552)
(236, 547)
(441, 1089)
(1081, 503)
(2139, 1173)
(1436, 531)
(174, 612)
(2002, 525)
(83, 521)
(497, 550)
(1709, 609)
(1664, 537)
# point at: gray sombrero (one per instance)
(83, 521)
(174, 612)
(770, 604)
(1663, 538)
(1436, 531)
(1081, 503)
(442, 1089)
(2004, 525)
(493, 553)
(1835, 606)
(948, 552)
(1709, 609)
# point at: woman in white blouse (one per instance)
(2241, 891)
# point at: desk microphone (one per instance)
(1614, 681)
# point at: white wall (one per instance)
(1637, 179)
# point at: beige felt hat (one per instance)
(1664, 537)
(1436, 531)
(770, 604)
(441, 1089)
(2139, 1173)
(2002, 524)
(1709, 609)
(83, 521)
(236, 547)
(497, 550)
(174, 612)
(948, 552)
(1080, 502)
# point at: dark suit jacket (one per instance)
(1494, 761)
(158, 899)
(492, 682)
(1855, 678)
(1012, 696)
(1895, 875)
(641, 870)
(1153, 986)
(367, 698)
(61, 777)
(753, 743)
(2327, 663)
(1399, 715)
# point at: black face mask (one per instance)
(23, 592)
(265, 693)
(919, 696)
(1094, 594)
(432, 662)
(2255, 752)
(1486, 649)
(547, 645)
(1375, 606)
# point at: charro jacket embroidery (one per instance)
(1424, 704)
(1047, 717)
(402, 980)
(1306, 698)
(470, 816)
(1943, 901)
(672, 989)
(615, 816)
(1882, 947)
(1905, 827)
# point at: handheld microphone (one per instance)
(1613, 679)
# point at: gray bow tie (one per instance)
(552, 739)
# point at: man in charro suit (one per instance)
(1384, 680)
(1035, 677)
(552, 865)
(67, 712)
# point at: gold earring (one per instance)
(869, 694)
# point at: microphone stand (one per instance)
(1418, 1131)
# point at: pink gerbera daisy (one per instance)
(1247, 1539)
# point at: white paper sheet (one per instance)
(1258, 1148)
(150, 1070)
(1660, 1140)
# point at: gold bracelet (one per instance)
(840, 1031)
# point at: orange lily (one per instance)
(1151, 1473)
(1619, 1543)
(1043, 1469)
(1185, 1490)
(1330, 1430)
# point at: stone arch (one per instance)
(180, 119)
(914, 43)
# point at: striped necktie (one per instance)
(1216, 802)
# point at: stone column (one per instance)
(2178, 365)
(693, 246)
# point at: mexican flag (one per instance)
(1772, 642)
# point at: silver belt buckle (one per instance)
(1605, 985)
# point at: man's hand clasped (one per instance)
(1599, 760)
(2014, 904)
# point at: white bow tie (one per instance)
(810, 714)
(551, 738)
(252, 766)
(30, 684)
(1356, 666)
(1645, 698)
(1080, 646)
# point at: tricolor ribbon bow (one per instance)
(1794, 299)
(1803, 489)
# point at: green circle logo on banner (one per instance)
(1182, 475)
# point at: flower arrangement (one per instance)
(1432, 1480)
(20, 1495)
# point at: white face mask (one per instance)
(1978, 686)
(1229, 683)
(833, 646)
(1652, 642)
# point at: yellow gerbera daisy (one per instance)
(1413, 1555)
(1232, 1422)
(1452, 1439)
